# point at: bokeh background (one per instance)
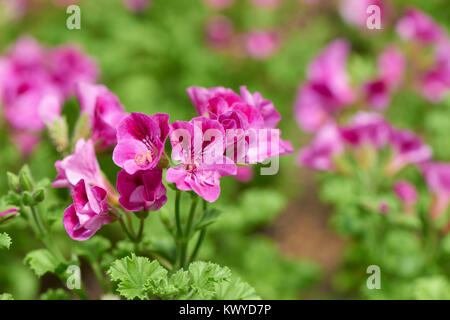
(275, 232)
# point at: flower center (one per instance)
(141, 159)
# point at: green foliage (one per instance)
(6, 296)
(5, 240)
(55, 294)
(138, 277)
(41, 261)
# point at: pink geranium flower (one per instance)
(406, 192)
(243, 116)
(244, 174)
(325, 146)
(104, 111)
(261, 44)
(354, 12)
(80, 165)
(416, 25)
(199, 146)
(327, 88)
(69, 65)
(140, 141)
(391, 64)
(88, 213)
(142, 190)
(219, 32)
(437, 176)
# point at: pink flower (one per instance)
(219, 31)
(136, 5)
(367, 128)
(406, 192)
(327, 89)
(140, 141)
(326, 144)
(354, 12)
(200, 97)
(199, 146)
(260, 44)
(25, 141)
(142, 190)
(80, 165)
(435, 83)
(104, 110)
(437, 176)
(408, 149)
(391, 64)
(219, 4)
(417, 26)
(88, 213)
(68, 66)
(270, 115)
(244, 174)
(377, 94)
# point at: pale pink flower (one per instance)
(261, 44)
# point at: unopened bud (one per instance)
(27, 198)
(25, 179)
(38, 196)
(13, 181)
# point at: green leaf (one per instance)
(92, 249)
(6, 296)
(5, 241)
(209, 217)
(235, 290)
(204, 277)
(136, 275)
(41, 261)
(58, 294)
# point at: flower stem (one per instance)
(198, 245)
(177, 213)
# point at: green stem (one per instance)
(99, 275)
(198, 245)
(141, 229)
(177, 213)
(191, 217)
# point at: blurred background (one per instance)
(275, 231)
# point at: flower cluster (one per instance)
(200, 152)
(323, 107)
(34, 83)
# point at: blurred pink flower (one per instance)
(354, 12)
(142, 190)
(68, 65)
(202, 160)
(408, 149)
(391, 66)
(437, 176)
(219, 32)
(367, 129)
(136, 5)
(327, 88)
(406, 192)
(14, 9)
(140, 141)
(417, 26)
(435, 84)
(103, 109)
(326, 144)
(219, 4)
(377, 94)
(25, 141)
(260, 44)
(88, 213)
(80, 165)
(244, 173)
